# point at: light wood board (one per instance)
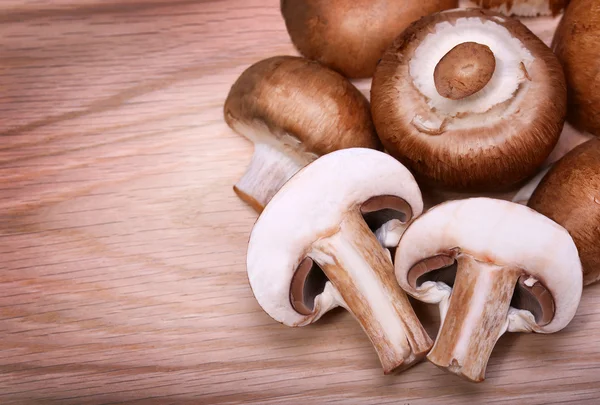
(122, 244)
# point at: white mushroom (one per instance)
(492, 266)
(316, 221)
(293, 110)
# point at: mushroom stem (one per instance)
(476, 318)
(269, 169)
(363, 273)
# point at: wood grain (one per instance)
(122, 244)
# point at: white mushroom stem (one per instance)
(269, 169)
(477, 316)
(360, 270)
(389, 234)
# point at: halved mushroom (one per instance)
(350, 35)
(293, 110)
(469, 100)
(570, 195)
(492, 266)
(319, 219)
(577, 45)
(524, 8)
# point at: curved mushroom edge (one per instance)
(569, 195)
(524, 8)
(497, 232)
(307, 209)
(492, 139)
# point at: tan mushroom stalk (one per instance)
(570, 195)
(492, 266)
(350, 35)
(293, 110)
(469, 100)
(576, 43)
(523, 8)
(319, 220)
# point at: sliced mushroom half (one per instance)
(312, 250)
(492, 266)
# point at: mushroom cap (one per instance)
(312, 204)
(299, 106)
(490, 140)
(576, 43)
(524, 8)
(350, 35)
(500, 232)
(570, 195)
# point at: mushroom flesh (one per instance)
(293, 110)
(350, 35)
(492, 266)
(469, 100)
(570, 195)
(320, 220)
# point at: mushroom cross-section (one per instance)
(319, 219)
(293, 110)
(570, 195)
(469, 100)
(524, 8)
(492, 266)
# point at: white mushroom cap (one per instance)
(309, 206)
(500, 232)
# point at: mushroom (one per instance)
(293, 110)
(349, 35)
(576, 43)
(570, 195)
(469, 100)
(492, 266)
(524, 8)
(312, 250)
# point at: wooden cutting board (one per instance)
(122, 245)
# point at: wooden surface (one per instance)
(122, 245)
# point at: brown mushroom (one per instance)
(577, 45)
(350, 35)
(570, 195)
(524, 8)
(492, 139)
(293, 110)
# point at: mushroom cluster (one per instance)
(462, 100)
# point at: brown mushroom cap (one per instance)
(302, 105)
(525, 8)
(577, 45)
(350, 35)
(487, 146)
(570, 195)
